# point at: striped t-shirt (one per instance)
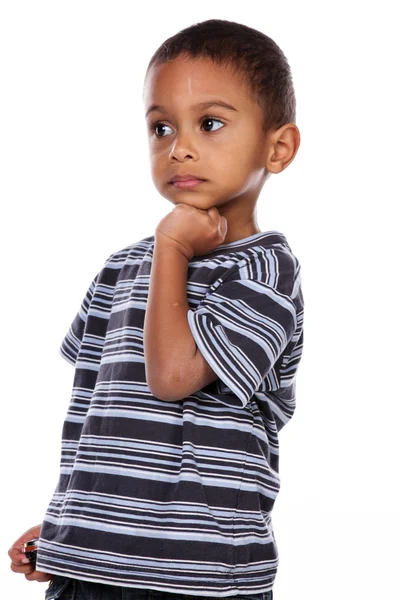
(177, 496)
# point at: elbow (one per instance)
(163, 394)
(164, 388)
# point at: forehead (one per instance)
(183, 81)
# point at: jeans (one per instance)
(64, 588)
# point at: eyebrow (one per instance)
(201, 105)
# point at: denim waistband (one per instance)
(66, 588)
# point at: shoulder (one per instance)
(136, 250)
(275, 266)
(267, 259)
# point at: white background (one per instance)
(75, 186)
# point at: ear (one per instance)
(283, 144)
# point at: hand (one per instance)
(18, 557)
(193, 231)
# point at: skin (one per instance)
(236, 158)
(20, 564)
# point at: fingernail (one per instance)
(25, 561)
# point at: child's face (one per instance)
(224, 146)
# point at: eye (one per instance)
(210, 120)
(158, 129)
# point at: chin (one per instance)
(195, 200)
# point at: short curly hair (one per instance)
(249, 53)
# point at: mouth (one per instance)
(185, 181)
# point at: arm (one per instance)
(175, 368)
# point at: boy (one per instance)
(186, 348)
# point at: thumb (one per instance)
(224, 226)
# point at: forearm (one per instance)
(169, 347)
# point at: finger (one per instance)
(223, 227)
(24, 569)
(38, 576)
(16, 554)
(213, 213)
(15, 551)
(29, 534)
(18, 558)
(44, 579)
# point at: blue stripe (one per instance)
(202, 470)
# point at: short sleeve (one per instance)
(243, 326)
(71, 344)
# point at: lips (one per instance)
(186, 177)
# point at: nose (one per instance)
(183, 148)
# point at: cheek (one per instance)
(155, 174)
(155, 164)
(234, 163)
(246, 156)
(158, 157)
